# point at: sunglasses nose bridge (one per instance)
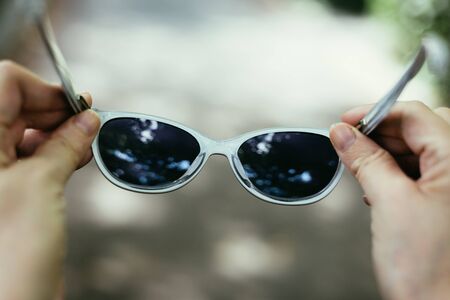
(221, 147)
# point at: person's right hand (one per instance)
(404, 169)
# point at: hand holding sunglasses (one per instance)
(148, 154)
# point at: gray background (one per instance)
(223, 68)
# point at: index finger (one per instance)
(22, 90)
(420, 128)
(391, 125)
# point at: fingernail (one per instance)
(342, 136)
(87, 96)
(87, 121)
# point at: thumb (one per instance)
(68, 145)
(374, 168)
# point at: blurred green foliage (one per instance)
(414, 19)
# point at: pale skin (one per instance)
(406, 178)
(41, 145)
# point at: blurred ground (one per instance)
(223, 68)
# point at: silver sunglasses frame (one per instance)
(209, 147)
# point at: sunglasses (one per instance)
(148, 154)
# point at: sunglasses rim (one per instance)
(209, 147)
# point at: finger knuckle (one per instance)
(52, 165)
(442, 109)
(66, 145)
(417, 106)
(7, 67)
(56, 91)
(361, 166)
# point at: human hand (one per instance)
(40, 147)
(404, 169)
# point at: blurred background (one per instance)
(225, 67)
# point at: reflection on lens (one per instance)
(289, 165)
(146, 153)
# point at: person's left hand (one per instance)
(41, 145)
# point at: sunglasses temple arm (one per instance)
(77, 102)
(382, 107)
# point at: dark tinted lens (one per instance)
(289, 165)
(146, 153)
